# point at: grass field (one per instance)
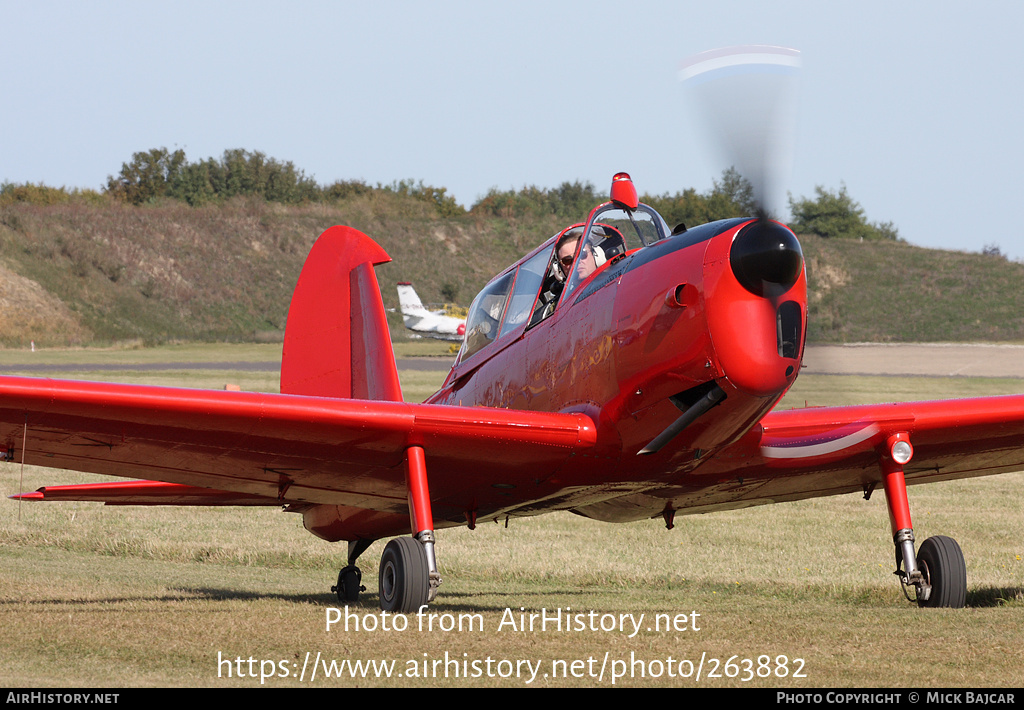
(794, 595)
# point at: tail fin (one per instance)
(409, 300)
(336, 341)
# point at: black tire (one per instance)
(404, 580)
(942, 564)
(349, 585)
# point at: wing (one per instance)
(281, 449)
(813, 452)
(822, 451)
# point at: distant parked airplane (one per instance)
(433, 324)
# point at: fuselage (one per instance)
(637, 342)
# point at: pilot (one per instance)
(566, 249)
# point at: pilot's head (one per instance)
(565, 250)
(587, 263)
(589, 260)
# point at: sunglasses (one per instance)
(567, 260)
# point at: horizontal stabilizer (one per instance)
(144, 493)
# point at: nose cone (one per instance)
(766, 258)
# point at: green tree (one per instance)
(343, 189)
(732, 196)
(836, 215)
(444, 203)
(570, 200)
(512, 204)
(33, 194)
(195, 183)
(573, 200)
(147, 176)
(241, 172)
(737, 191)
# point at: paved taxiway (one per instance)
(919, 359)
(914, 359)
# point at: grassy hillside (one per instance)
(885, 291)
(77, 273)
(80, 273)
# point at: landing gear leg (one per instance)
(350, 577)
(408, 568)
(938, 573)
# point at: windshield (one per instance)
(509, 302)
(611, 232)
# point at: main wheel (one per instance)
(404, 576)
(942, 564)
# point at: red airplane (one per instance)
(621, 370)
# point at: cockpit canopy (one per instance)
(507, 302)
(612, 231)
(529, 292)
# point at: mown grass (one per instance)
(105, 596)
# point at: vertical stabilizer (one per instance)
(409, 300)
(336, 341)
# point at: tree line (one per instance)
(161, 174)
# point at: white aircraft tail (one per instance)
(408, 300)
(433, 324)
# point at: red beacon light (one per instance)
(624, 191)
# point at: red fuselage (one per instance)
(659, 322)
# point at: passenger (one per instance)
(587, 263)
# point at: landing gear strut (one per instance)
(408, 576)
(937, 572)
(408, 568)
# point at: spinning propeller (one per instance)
(747, 98)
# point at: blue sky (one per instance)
(916, 107)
